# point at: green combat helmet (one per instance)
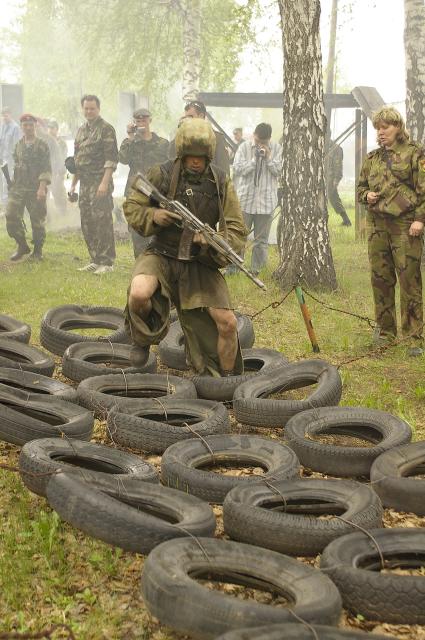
(195, 137)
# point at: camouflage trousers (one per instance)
(96, 221)
(394, 254)
(17, 203)
(336, 202)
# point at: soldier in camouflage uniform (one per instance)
(96, 158)
(32, 174)
(334, 174)
(141, 150)
(392, 186)
(178, 266)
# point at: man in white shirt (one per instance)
(256, 169)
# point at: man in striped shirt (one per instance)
(256, 169)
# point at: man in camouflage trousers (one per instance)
(334, 175)
(141, 150)
(96, 158)
(178, 266)
(32, 174)
(392, 186)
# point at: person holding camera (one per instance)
(141, 150)
(256, 169)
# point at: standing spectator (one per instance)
(9, 136)
(197, 109)
(32, 174)
(58, 168)
(238, 138)
(96, 158)
(141, 150)
(334, 175)
(256, 169)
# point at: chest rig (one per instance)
(203, 197)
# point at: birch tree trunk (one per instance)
(191, 48)
(330, 69)
(304, 246)
(414, 44)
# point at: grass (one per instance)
(51, 573)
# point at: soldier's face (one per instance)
(28, 129)
(193, 113)
(142, 123)
(90, 110)
(387, 133)
(196, 164)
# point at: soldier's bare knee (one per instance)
(141, 290)
(226, 322)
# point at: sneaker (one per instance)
(103, 268)
(139, 356)
(89, 267)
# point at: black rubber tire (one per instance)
(395, 599)
(136, 516)
(155, 429)
(55, 328)
(389, 477)
(101, 393)
(255, 361)
(40, 458)
(25, 357)
(28, 416)
(14, 329)
(299, 631)
(87, 359)
(172, 594)
(38, 384)
(250, 513)
(172, 351)
(383, 429)
(180, 464)
(252, 406)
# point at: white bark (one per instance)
(305, 251)
(330, 69)
(414, 44)
(191, 48)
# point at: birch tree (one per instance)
(414, 44)
(304, 247)
(191, 49)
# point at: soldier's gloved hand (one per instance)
(41, 193)
(199, 238)
(372, 197)
(164, 218)
(416, 228)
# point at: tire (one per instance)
(14, 329)
(389, 477)
(381, 428)
(252, 406)
(97, 462)
(172, 594)
(300, 632)
(29, 416)
(101, 393)
(172, 349)
(256, 514)
(155, 429)
(180, 464)
(56, 324)
(255, 361)
(25, 357)
(135, 517)
(37, 384)
(395, 599)
(87, 359)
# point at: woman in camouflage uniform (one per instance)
(392, 186)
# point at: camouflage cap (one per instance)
(195, 137)
(142, 113)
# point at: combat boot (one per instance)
(139, 356)
(21, 250)
(37, 253)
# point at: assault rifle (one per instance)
(6, 174)
(191, 222)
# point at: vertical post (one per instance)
(358, 149)
(307, 319)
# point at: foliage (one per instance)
(134, 46)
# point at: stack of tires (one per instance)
(286, 493)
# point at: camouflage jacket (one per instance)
(141, 155)
(398, 176)
(32, 164)
(140, 213)
(95, 148)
